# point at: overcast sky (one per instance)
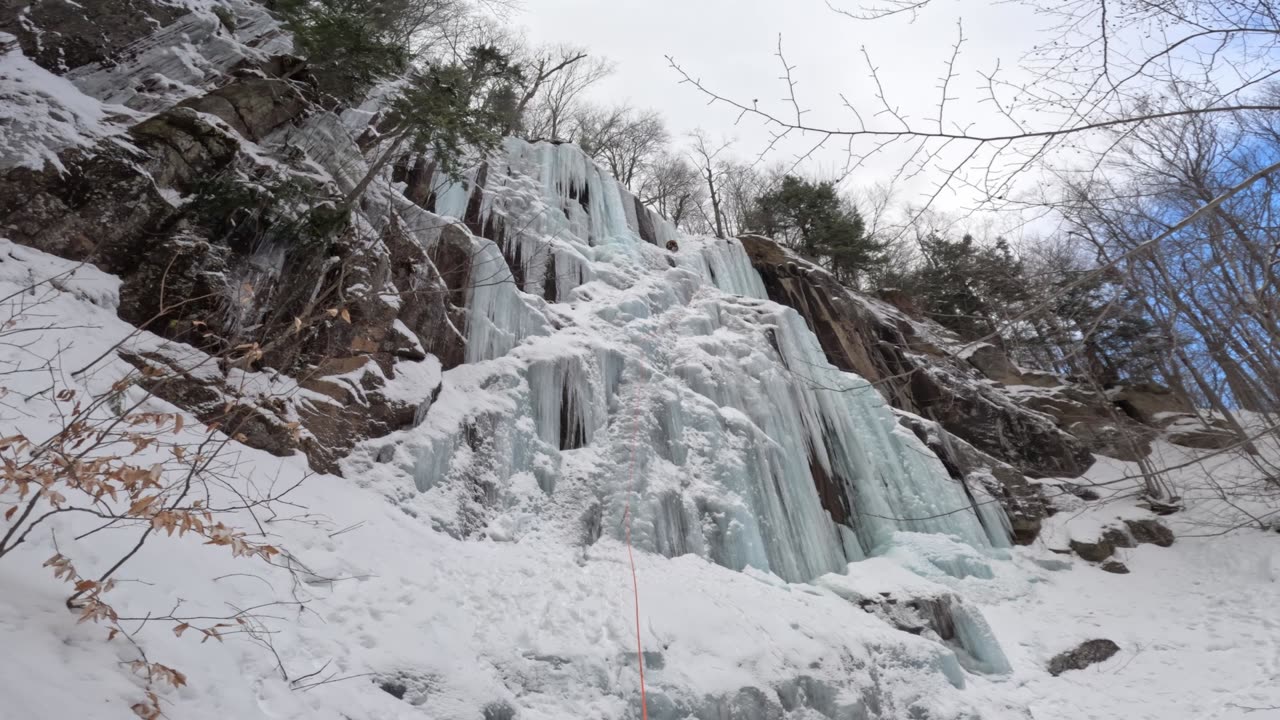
(730, 45)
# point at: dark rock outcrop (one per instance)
(60, 35)
(1202, 437)
(1091, 418)
(330, 420)
(1115, 567)
(1148, 402)
(1021, 500)
(252, 106)
(1093, 551)
(1132, 533)
(333, 312)
(1150, 530)
(982, 429)
(1105, 546)
(885, 347)
(1087, 653)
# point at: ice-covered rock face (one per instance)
(621, 374)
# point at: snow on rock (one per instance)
(36, 272)
(183, 59)
(799, 553)
(42, 113)
(381, 600)
(749, 448)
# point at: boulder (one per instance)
(1115, 566)
(1105, 546)
(1096, 551)
(993, 364)
(1087, 653)
(1146, 402)
(1150, 530)
(1201, 437)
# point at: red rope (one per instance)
(635, 585)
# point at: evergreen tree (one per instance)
(965, 286)
(350, 44)
(451, 111)
(812, 218)
(1100, 329)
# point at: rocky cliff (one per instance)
(519, 353)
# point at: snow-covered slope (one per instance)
(532, 624)
(519, 617)
(798, 553)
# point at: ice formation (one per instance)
(613, 370)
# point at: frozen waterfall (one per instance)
(584, 332)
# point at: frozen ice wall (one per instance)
(604, 368)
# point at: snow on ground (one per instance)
(1197, 626)
(548, 629)
(1198, 623)
(376, 594)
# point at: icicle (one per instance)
(726, 265)
(756, 451)
(978, 640)
(498, 316)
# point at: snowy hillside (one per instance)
(518, 381)
(528, 619)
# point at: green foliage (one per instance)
(1044, 318)
(449, 109)
(243, 214)
(814, 219)
(1103, 322)
(350, 44)
(964, 286)
(226, 17)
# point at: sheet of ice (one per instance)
(748, 447)
(184, 58)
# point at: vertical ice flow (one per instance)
(753, 450)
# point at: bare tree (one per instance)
(707, 155)
(622, 137)
(1103, 68)
(558, 78)
(672, 187)
(1211, 282)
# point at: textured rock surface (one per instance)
(1022, 501)
(61, 35)
(913, 372)
(1202, 437)
(1097, 551)
(400, 298)
(1088, 653)
(1150, 531)
(1104, 546)
(1115, 567)
(1147, 402)
(981, 428)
